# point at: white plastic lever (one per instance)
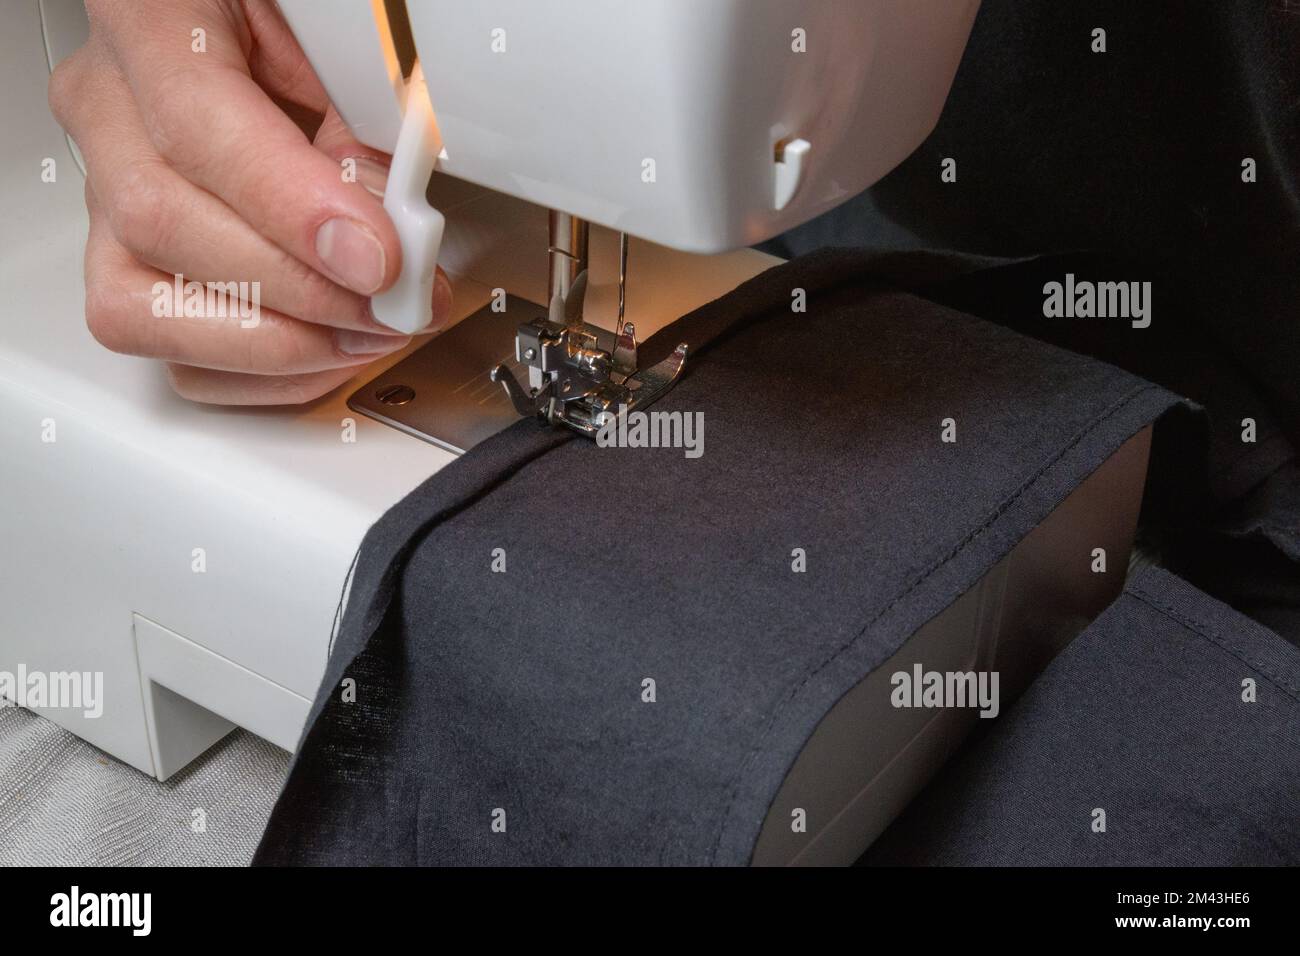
(789, 169)
(407, 306)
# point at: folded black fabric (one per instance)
(484, 696)
(1144, 716)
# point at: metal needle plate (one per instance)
(441, 393)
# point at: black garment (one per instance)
(523, 690)
(1132, 156)
(1143, 717)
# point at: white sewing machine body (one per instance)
(196, 555)
(671, 120)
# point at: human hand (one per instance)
(194, 170)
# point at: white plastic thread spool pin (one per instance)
(408, 305)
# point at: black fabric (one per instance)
(1175, 350)
(522, 690)
(1234, 534)
(1141, 716)
(1250, 552)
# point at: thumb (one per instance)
(368, 168)
(358, 163)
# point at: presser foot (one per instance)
(583, 377)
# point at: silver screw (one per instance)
(395, 394)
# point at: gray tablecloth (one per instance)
(64, 802)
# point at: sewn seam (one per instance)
(1291, 690)
(940, 562)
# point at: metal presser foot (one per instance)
(580, 375)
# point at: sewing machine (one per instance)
(601, 170)
(698, 128)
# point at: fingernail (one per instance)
(350, 342)
(352, 253)
(441, 302)
(372, 174)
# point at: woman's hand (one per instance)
(194, 170)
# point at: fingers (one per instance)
(370, 168)
(171, 224)
(231, 388)
(358, 162)
(195, 173)
(135, 309)
(210, 121)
